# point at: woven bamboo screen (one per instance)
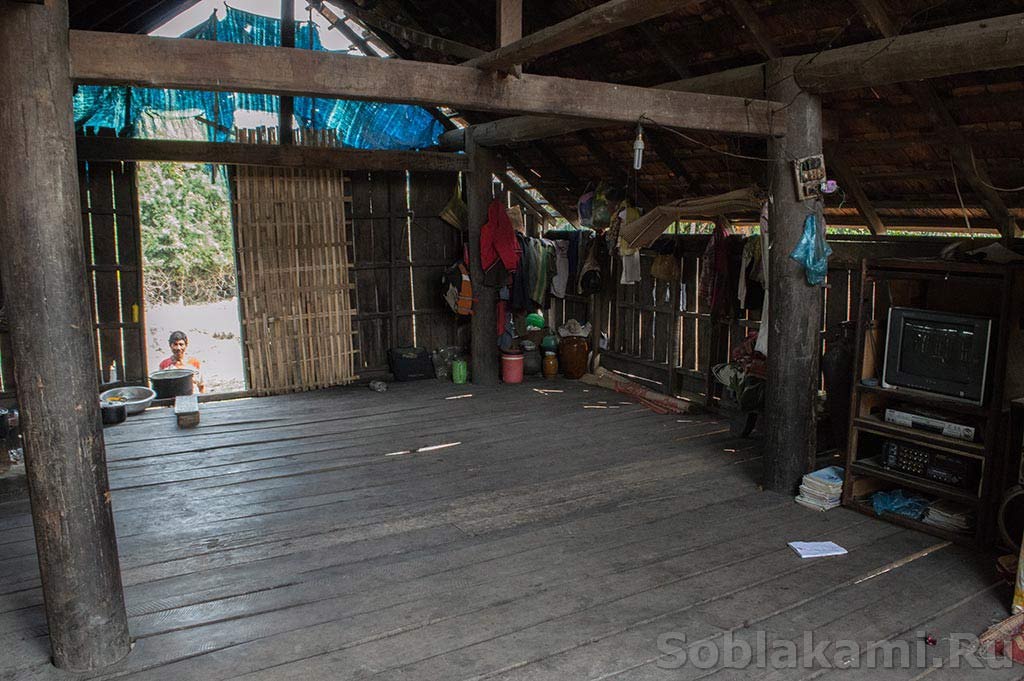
(295, 281)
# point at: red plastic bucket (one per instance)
(511, 368)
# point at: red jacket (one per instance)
(498, 239)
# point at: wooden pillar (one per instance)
(47, 302)
(509, 25)
(286, 117)
(482, 164)
(794, 344)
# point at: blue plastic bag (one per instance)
(899, 502)
(813, 251)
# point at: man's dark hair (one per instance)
(177, 336)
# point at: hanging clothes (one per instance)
(766, 245)
(520, 299)
(630, 256)
(630, 263)
(543, 252)
(498, 241)
(561, 279)
(595, 263)
(750, 290)
(714, 271)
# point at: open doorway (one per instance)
(189, 276)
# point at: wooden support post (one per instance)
(286, 114)
(482, 163)
(794, 319)
(47, 302)
(509, 26)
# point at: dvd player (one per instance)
(930, 424)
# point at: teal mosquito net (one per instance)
(147, 112)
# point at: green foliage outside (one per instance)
(186, 234)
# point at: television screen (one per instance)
(937, 352)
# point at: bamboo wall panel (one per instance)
(295, 281)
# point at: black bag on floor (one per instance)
(410, 364)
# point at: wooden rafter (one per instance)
(232, 153)
(656, 141)
(517, 163)
(747, 17)
(597, 21)
(617, 168)
(117, 59)
(945, 125)
(848, 182)
(410, 35)
(571, 181)
(339, 24)
(403, 53)
(524, 196)
(666, 154)
(993, 44)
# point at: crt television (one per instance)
(936, 352)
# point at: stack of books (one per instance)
(822, 489)
(949, 515)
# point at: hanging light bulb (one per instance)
(638, 148)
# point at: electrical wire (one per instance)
(977, 175)
(963, 207)
(704, 144)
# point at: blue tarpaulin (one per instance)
(361, 125)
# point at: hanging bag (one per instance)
(665, 268)
(813, 251)
(455, 212)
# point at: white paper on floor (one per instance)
(817, 549)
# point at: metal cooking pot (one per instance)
(113, 413)
(170, 383)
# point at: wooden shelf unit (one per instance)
(993, 291)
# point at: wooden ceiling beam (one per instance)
(973, 172)
(739, 82)
(118, 59)
(985, 45)
(748, 19)
(593, 23)
(293, 156)
(991, 44)
(410, 35)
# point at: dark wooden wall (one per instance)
(401, 250)
(113, 255)
(648, 333)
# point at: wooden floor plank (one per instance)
(278, 541)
